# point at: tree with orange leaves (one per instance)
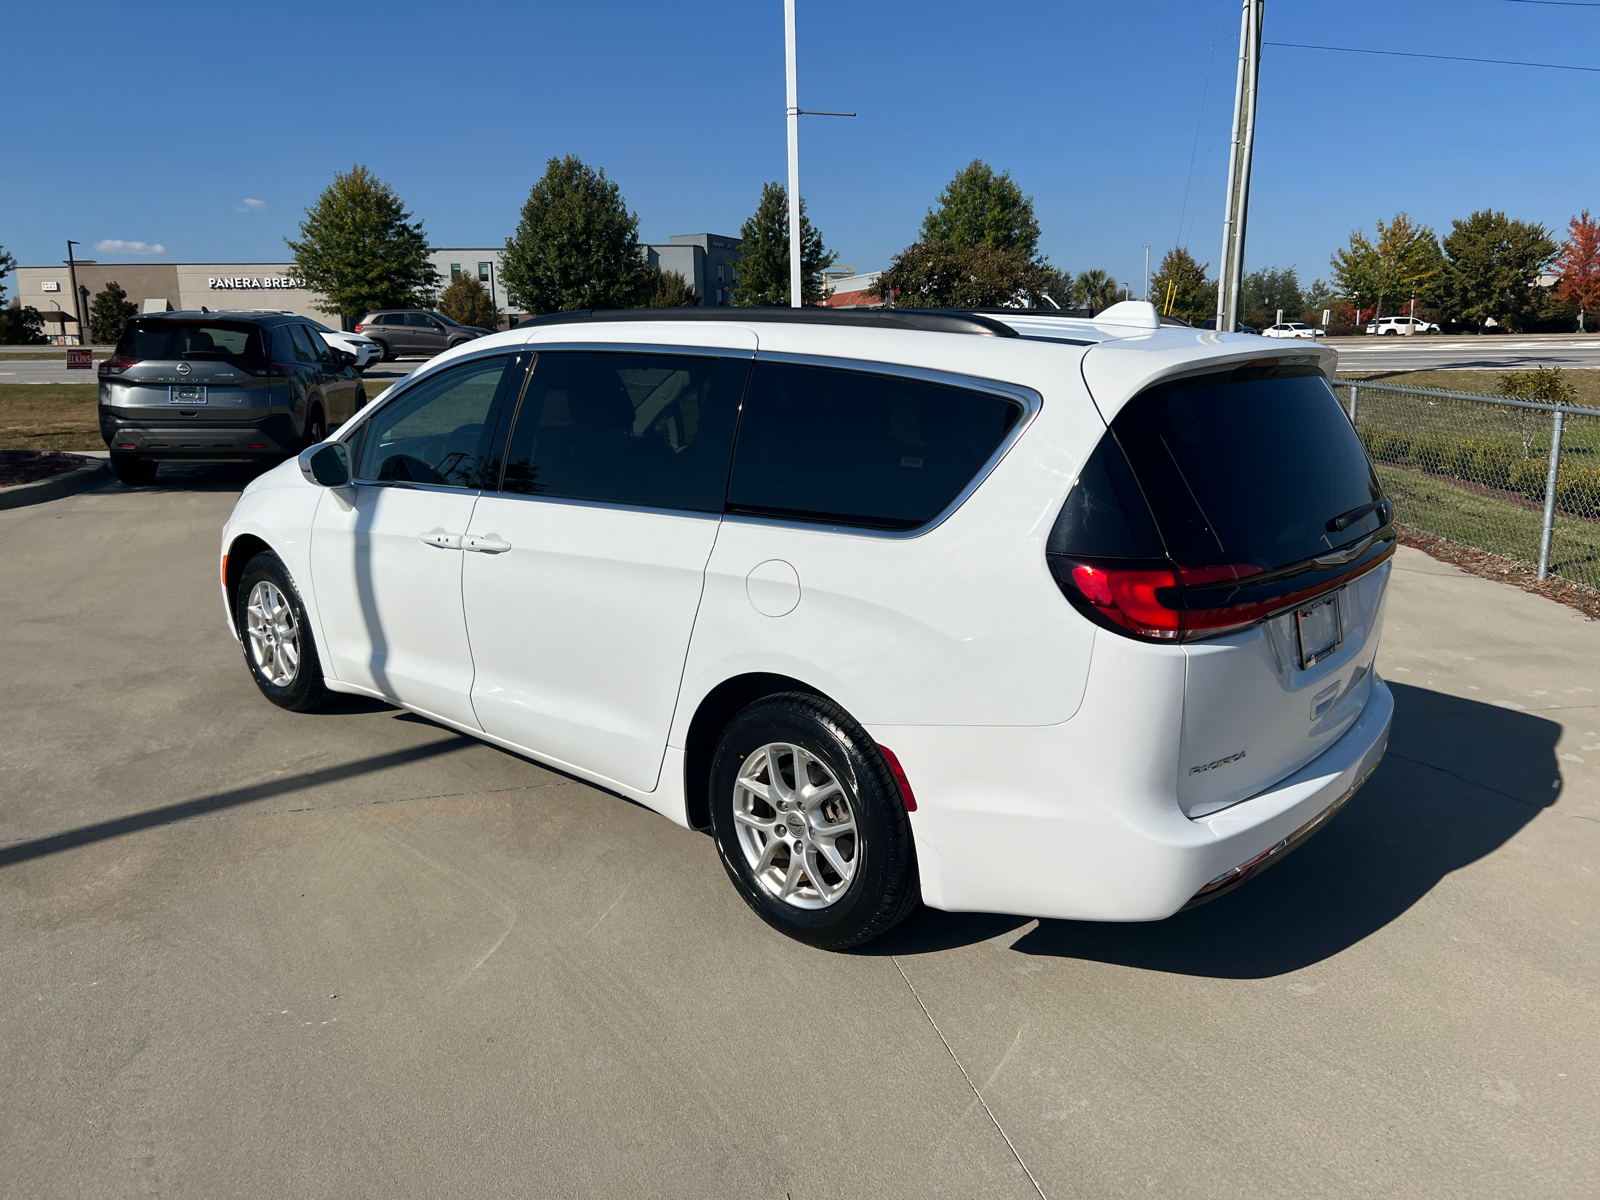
(1579, 265)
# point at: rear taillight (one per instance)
(1128, 597)
(359, 328)
(116, 365)
(274, 370)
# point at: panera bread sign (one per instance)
(270, 282)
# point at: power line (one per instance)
(1503, 62)
(1560, 3)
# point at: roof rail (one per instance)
(928, 320)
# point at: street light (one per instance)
(77, 311)
(1147, 273)
(794, 112)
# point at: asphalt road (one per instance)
(246, 952)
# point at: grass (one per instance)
(63, 416)
(1489, 523)
(1487, 383)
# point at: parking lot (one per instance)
(244, 951)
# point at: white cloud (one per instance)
(250, 205)
(118, 246)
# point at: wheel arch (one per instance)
(716, 708)
(240, 551)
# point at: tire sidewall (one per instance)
(306, 689)
(846, 753)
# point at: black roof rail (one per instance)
(928, 320)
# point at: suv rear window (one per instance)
(1245, 466)
(860, 448)
(235, 341)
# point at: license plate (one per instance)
(1320, 627)
(186, 393)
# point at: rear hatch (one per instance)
(205, 368)
(1235, 513)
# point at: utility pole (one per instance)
(77, 307)
(1147, 272)
(1230, 273)
(794, 113)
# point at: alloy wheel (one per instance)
(274, 634)
(796, 826)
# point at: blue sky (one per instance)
(156, 124)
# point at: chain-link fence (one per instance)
(1514, 477)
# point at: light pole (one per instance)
(1230, 274)
(77, 311)
(794, 112)
(1147, 272)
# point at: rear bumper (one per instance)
(1011, 820)
(272, 435)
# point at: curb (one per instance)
(67, 483)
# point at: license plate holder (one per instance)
(186, 393)
(1319, 628)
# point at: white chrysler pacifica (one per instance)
(992, 611)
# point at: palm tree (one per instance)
(1095, 289)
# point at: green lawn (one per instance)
(1587, 382)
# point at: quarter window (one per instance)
(860, 448)
(439, 431)
(654, 430)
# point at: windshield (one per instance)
(445, 319)
(1250, 465)
(233, 341)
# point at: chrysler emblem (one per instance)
(183, 368)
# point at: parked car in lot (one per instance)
(1400, 326)
(1019, 613)
(220, 387)
(415, 331)
(1291, 329)
(364, 349)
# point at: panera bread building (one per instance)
(166, 287)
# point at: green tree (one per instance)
(937, 275)
(1403, 261)
(576, 246)
(19, 325)
(1095, 289)
(670, 289)
(980, 208)
(109, 313)
(1180, 288)
(467, 301)
(1266, 291)
(1493, 264)
(763, 273)
(359, 247)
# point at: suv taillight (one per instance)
(359, 328)
(116, 365)
(274, 370)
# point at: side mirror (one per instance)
(326, 464)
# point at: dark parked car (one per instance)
(220, 387)
(415, 331)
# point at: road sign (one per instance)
(80, 358)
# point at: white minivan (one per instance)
(995, 611)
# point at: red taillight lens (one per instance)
(280, 370)
(359, 328)
(899, 774)
(1128, 597)
(116, 365)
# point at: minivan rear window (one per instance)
(216, 340)
(1257, 466)
(858, 447)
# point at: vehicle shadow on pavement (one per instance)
(200, 477)
(1460, 779)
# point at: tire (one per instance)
(805, 895)
(135, 472)
(361, 399)
(278, 647)
(384, 353)
(316, 426)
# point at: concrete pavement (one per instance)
(351, 953)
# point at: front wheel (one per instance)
(810, 824)
(278, 647)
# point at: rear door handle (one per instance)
(485, 543)
(441, 539)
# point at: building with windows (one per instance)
(705, 260)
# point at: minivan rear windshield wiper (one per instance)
(1344, 520)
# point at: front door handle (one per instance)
(441, 539)
(485, 543)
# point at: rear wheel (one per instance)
(278, 647)
(384, 353)
(135, 472)
(361, 399)
(316, 427)
(809, 823)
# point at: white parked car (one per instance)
(365, 349)
(875, 597)
(1291, 329)
(1400, 326)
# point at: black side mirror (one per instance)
(326, 465)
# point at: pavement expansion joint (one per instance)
(955, 1059)
(1494, 791)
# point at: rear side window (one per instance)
(860, 448)
(439, 432)
(653, 430)
(1246, 466)
(235, 341)
(1105, 515)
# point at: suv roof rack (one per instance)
(928, 320)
